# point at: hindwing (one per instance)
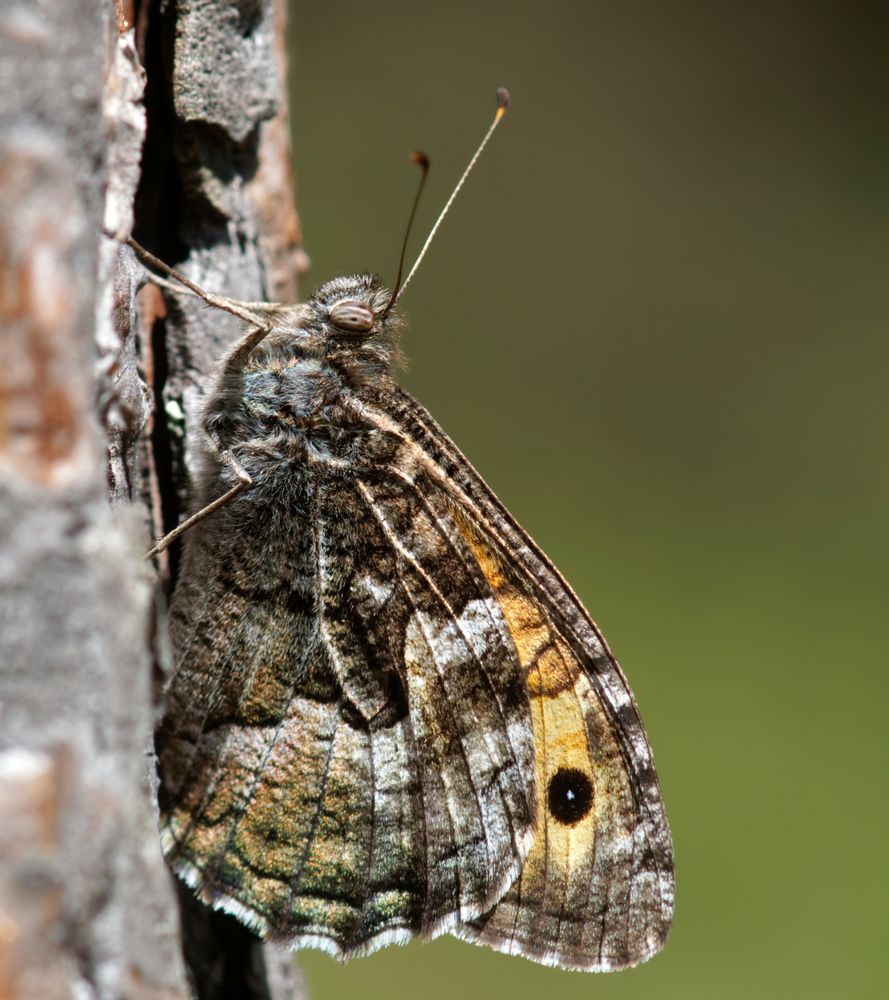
(347, 752)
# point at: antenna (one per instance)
(422, 161)
(502, 105)
(245, 311)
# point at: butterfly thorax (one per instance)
(292, 411)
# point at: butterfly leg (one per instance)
(232, 362)
(242, 310)
(244, 480)
(259, 329)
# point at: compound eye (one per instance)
(352, 317)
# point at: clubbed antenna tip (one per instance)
(502, 104)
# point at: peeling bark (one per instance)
(85, 900)
(90, 467)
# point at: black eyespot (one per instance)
(352, 316)
(570, 796)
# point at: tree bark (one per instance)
(193, 150)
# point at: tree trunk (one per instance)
(193, 151)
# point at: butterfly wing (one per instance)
(383, 701)
(596, 891)
(346, 754)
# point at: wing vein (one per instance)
(393, 541)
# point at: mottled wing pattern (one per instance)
(596, 891)
(346, 755)
(393, 717)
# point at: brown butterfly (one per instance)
(391, 716)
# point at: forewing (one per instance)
(596, 891)
(346, 753)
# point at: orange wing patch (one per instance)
(571, 901)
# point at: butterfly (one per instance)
(391, 716)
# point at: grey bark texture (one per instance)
(93, 457)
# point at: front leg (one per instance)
(227, 457)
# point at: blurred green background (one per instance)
(657, 322)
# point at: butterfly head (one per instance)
(353, 311)
(345, 323)
(343, 337)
